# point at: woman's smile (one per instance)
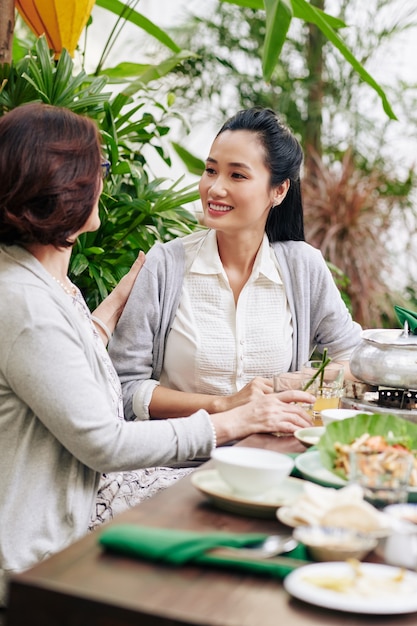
(217, 207)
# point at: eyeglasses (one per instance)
(105, 168)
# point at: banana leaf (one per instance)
(395, 430)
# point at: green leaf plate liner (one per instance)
(396, 429)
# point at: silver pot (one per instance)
(386, 357)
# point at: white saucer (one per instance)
(309, 436)
(219, 493)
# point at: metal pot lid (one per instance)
(390, 337)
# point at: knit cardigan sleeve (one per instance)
(138, 343)
(320, 317)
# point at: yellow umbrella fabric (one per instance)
(62, 22)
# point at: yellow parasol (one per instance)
(62, 22)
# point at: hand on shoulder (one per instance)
(109, 311)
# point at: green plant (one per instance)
(132, 220)
(129, 127)
(135, 211)
(349, 213)
(343, 204)
(38, 77)
(278, 17)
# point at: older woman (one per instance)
(67, 458)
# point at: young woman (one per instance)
(214, 315)
(68, 459)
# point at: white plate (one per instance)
(219, 493)
(377, 592)
(309, 436)
(310, 467)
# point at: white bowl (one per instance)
(400, 547)
(335, 415)
(251, 471)
(406, 512)
(309, 436)
(334, 544)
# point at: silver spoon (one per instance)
(271, 546)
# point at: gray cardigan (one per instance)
(58, 431)
(320, 317)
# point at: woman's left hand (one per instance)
(109, 311)
(124, 287)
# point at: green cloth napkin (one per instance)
(405, 315)
(178, 547)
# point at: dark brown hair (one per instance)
(49, 174)
(283, 158)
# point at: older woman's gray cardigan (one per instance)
(58, 431)
(320, 317)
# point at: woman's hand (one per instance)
(122, 290)
(167, 403)
(109, 311)
(284, 410)
(269, 413)
(253, 390)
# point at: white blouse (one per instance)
(216, 346)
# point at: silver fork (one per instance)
(272, 546)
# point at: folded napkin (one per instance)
(344, 507)
(405, 315)
(178, 547)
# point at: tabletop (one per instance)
(86, 586)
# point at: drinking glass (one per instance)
(289, 380)
(383, 477)
(327, 386)
(293, 381)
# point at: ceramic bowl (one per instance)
(251, 471)
(400, 547)
(335, 415)
(309, 436)
(334, 544)
(406, 512)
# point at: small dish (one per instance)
(335, 415)
(400, 548)
(309, 436)
(334, 544)
(406, 512)
(211, 484)
(311, 468)
(251, 471)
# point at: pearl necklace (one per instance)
(70, 292)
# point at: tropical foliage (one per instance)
(356, 194)
(135, 209)
(278, 18)
(351, 215)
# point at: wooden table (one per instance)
(85, 586)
